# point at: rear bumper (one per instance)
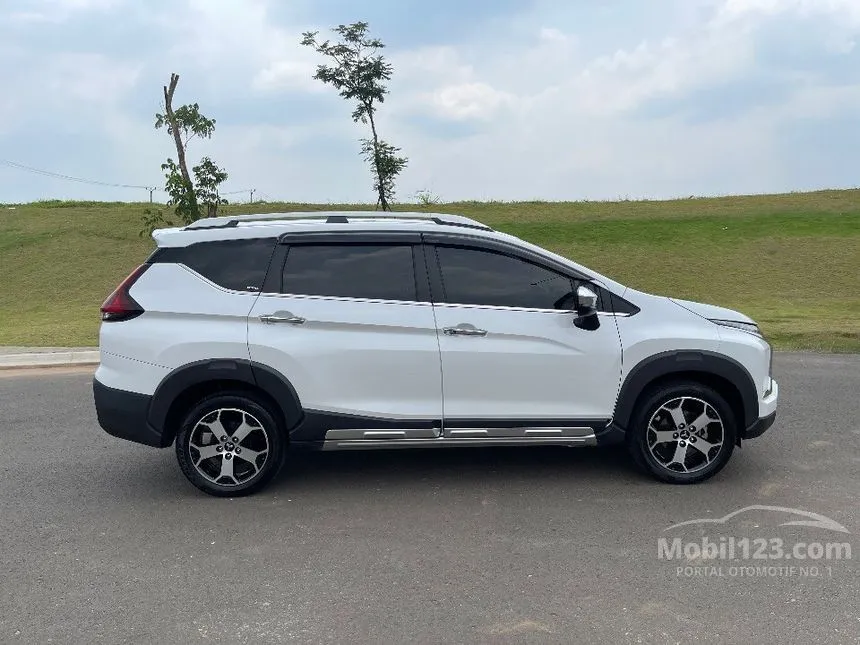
(123, 414)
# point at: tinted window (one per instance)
(233, 264)
(478, 277)
(351, 271)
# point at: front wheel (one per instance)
(230, 445)
(682, 433)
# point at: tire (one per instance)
(661, 441)
(246, 455)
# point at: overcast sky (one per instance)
(491, 99)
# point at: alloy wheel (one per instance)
(229, 446)
(685, 434)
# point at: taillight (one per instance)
(120, 305)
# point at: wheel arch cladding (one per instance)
(724, 374)
(188, 384)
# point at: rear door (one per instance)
(512, 363)
(348, 321)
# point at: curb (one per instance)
(49, 359)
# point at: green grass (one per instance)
(792, 261)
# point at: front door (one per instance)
(513, 365)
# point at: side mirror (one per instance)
(583, 301)
(586, 309)
(586, 301)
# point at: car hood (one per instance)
(712, 312)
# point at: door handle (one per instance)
(281, 317)
(464, 329)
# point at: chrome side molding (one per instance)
(382, 434)
(520, 431)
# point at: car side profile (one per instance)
(243, 337)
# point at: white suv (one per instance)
(242, 337)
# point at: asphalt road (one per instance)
(104, 541)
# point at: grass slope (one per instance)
(792, 261)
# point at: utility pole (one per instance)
(151, 190)
(252, 195)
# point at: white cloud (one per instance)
(241, 39)
(68, 89)
(841, 9)
(286, 75)
(57, 11)
(84, 5)
(425, 66)
(468, 100)
(553, 35)
(90, 78)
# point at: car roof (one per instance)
(235, 227)
(276, 224)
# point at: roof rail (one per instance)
(336, 217)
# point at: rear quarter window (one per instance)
(233, 264)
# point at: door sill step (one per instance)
(448, 442)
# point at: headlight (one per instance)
(750, 328)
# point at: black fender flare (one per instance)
(687, 362)
(248, 372)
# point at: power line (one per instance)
(96, 182)
(81, 180)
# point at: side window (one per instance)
(476, 277)
(383, 272)
(232, 264)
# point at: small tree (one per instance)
(208, 177)
(184, 124)
(427, 197)
(359, 73)
(180, 193)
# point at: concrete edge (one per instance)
(49, 359)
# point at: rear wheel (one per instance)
(682, 433)
(230, 445)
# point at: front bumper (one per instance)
(767, 413)
(758, 428)
(123, 414)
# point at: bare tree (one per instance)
(183, 124)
